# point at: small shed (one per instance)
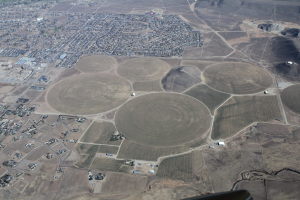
(221, 143)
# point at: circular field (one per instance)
(96, 63)
(291, 97)
(237, 78)
(143, 69)
(163, 119)
(88, 94)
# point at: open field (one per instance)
(100, 132)
(275, 142)
(73, 183)
(181, 78)
(291, 97)
(213, 46)
(143, 69)
(109, 164)
(201, 64)
(209, 168)
(87, 153)
(163, 119)
(4, 89)
(96, 63)
(88, 94)
(131, 150)
(211, 98)
(241, 111)
(117, 183)
(38, 153)
(275, 153)
(85, 161)
(237, 78)
(224, 167)
(283, 189)
(147, 86)
(184, 167)
(233, 35)
(169, 80)
(108, 149)
(278, 141)
(221, 167)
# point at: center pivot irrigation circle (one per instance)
(163, 119)
(143, 69)
(237, 78)
(88, 94)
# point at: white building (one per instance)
(220, 143)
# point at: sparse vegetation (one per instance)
(240, 111)
(100, 132)
(109, 164)
(131, 150)
(211, 98)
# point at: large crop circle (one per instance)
(291, 97)
(237, 78)
(96, 63)
(88, 94)
(143, 69)
(163, 119)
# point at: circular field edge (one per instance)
(105, 68)
(143, 78)
(269, 75)
(128, 85)
(288, 97)
(198, 135)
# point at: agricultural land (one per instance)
(149, 99)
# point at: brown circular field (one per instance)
(143, 69)
(237, 78)
(291, 97)
(163, 119)
(88, 94)
(96, 63)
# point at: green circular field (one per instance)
(237, 78)
(163, 119)
(88, 94)
(291, 97)
(96, 63)
(143, 69)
